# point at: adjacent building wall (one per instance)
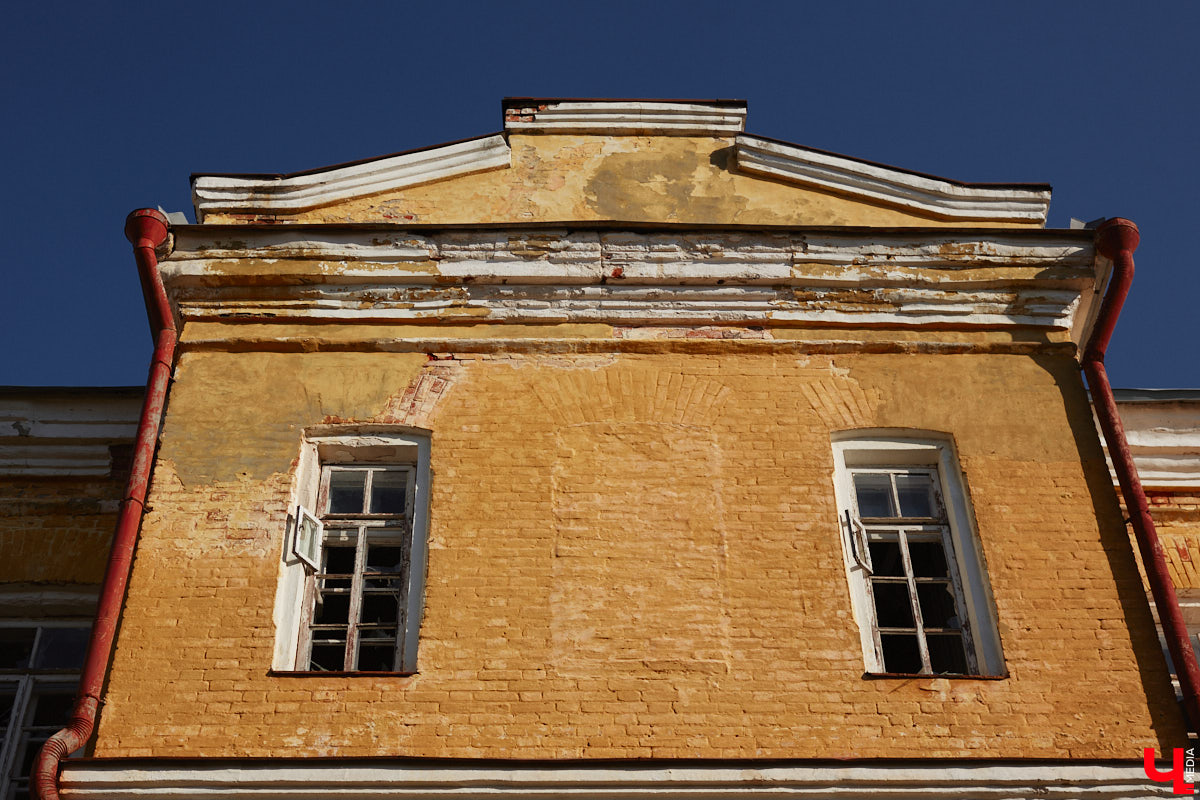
(64, 459)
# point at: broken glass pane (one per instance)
(339, 560)
(385, 558)
(332, 609)
(892, 606)
(928, 558)
(885, 558)
(328, 655)
(937, 605)
(946, 654)
(377, 655)
(380, 608)
(901, 653)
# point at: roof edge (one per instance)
(624, 117)
(926, 194)
(265, 194)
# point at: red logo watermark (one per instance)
(1182, 773)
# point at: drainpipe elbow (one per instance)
(1115, 239)
(147, 227)
(44, 775)
(1117, 235)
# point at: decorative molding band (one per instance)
(1164, 438)
(849, 176)
(994, 280)
(615, 117)
(695, 305)
(286, 194)
(55, 460)
(553, 253)
(49, 433)
(339, 779)
(19, 600)
(707, 340)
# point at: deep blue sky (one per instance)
(107, 109)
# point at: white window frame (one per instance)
(357, 527)
(923, 451)
(27, 685)
(307, 534)
(349, 446)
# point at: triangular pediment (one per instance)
(623, 161)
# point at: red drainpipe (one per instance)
(1116, 240)
(146, 229)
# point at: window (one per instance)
(358, 596)
(350, 597)
(919, 589)
(39, 673)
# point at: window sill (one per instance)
(296, 673)
(874, 676)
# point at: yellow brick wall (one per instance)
(635, 556)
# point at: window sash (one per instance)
(895, 527)
(370, 472)
(361, 530)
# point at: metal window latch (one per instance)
(854, 529)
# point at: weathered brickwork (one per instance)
(634, 555)
(1177, 517)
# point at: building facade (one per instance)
(64, 462)
(624, 453)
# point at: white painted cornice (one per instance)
(993, 279)
(616, 117)
(348, 780)
(67, 433)
(701, 253)
(286, 194)
(848, 176)
(1163, 436)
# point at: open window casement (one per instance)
(919, 590)
(350, 597)
(307, 536)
